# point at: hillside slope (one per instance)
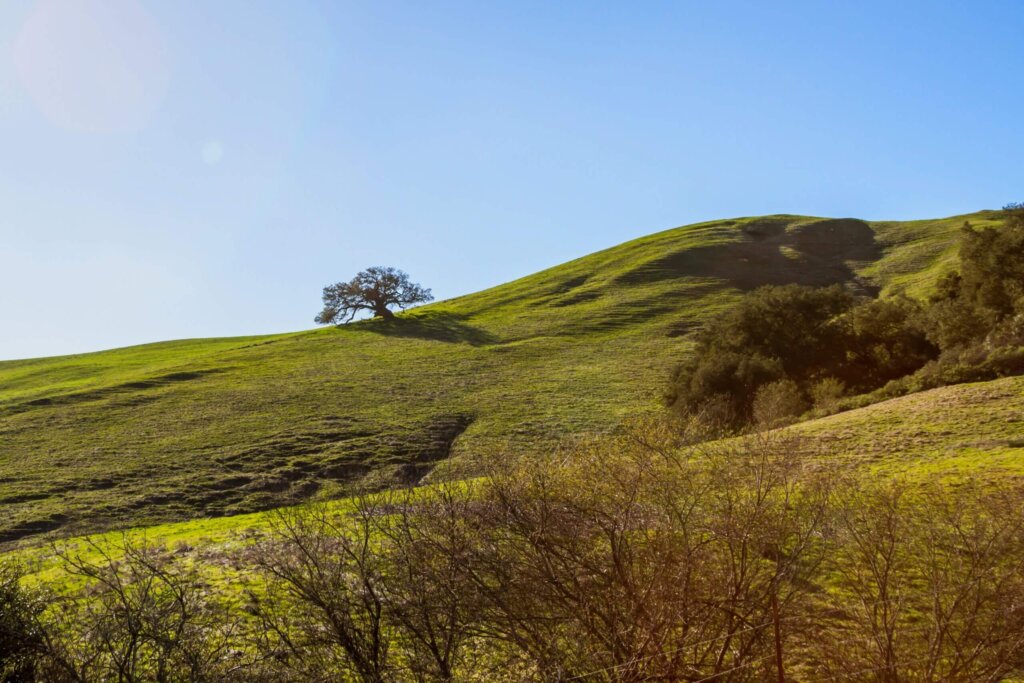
(214, 427)
(972, 430)
(975, 429)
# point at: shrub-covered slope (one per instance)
(213, 427)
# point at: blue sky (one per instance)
(174, 168)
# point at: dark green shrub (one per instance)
(954, 323)
(723, 384)
(774, 333)
(887, 339)
(1008, 333)
(825, 343)
(989, 287)
(19, 635)
(992, 270)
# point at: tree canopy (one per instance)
(375, 289)
(781, 346)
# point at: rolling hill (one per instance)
(969, 429)
(178, 430)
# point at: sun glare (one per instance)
(92, 65)
(212, 152)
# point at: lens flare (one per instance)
(212, 152)
(92, 65)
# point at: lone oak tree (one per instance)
(375, 289)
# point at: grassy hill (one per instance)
(178, 430)
(969, 429)
(975, 429)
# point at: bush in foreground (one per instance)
(644, 556)
(19, 636)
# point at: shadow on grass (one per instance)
(817, 253)
(435, 325)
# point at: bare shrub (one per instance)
(639, 561)
(133, 614)
(650, 554)
(778, 403)
(827, 392)
(374, 592)
(321, 609)
(639, 556)
(428, 596)
(928, 584)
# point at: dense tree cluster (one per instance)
(981, 306)
(782, 349)
(645, 556)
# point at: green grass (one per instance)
(188, 429)
(974, 430)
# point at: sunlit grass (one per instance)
(215, 427)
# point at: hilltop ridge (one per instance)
(175, 430)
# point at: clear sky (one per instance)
(176, 168)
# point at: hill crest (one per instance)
(191, 428)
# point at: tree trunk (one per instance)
(383, 312)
